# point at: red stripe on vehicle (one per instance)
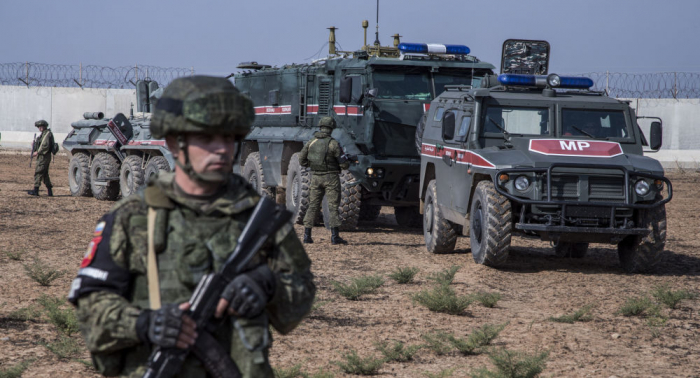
(458, 155)
(273, 110)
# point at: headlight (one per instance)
(641, 187)
(522, 183)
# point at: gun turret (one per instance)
(93, 115)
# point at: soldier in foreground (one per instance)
(323, 155)
(42, 148)
(198, 213)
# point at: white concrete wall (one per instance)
(20, 107)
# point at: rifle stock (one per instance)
(266, 219)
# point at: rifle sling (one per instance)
(152, 270)
(214, 357)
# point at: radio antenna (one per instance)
(376, 39)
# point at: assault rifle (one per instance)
(267, 218)
(31, 156)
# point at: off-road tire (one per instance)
(253, 173)
(155, 165)
(419, 133)
(408, 216)
(297, 191)
(79, 175)
(350, 202)
(571, 250)
(104, 165)
(642, 253)
(439, 233)
(490, 225)
(369, 212)
(131, 176)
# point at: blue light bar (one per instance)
(432, 48)
(520, 80)
(569, 82)
(575, 82)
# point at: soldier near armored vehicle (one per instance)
(42, 149)
(191, 219)
(322, 154)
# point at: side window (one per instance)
(438, 114)
(448, 125)
(464, 128)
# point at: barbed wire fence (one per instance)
(677, 85)
(88, 76)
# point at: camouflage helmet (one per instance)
(202, 104)
(41, 123)
(328, 122)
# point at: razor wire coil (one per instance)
(85, 76)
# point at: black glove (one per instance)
(160, 327)
(250, 291)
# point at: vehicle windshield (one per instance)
(402, 86)
(451, 79)
(516, 120)
(597, 124)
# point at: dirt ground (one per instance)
(535, 285)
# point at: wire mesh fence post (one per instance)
(26, 80)
(136, 72)
(675, 85)
(607, 82)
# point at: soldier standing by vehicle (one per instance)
(323, 155)
(43, 146)
(195, 216)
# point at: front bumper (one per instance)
(569, 212)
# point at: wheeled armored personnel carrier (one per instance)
(376, 95)
(540, 156)
(116, 155)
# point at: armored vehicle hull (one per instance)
(566, 167)
(113, 156)
(376, 100)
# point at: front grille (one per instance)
(600, 188)
(563, 187)
(606, 188)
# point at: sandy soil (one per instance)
(535, 286)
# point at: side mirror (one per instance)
(345, 90)
(448, 126)
(372, 92)
(655, 136)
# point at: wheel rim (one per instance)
(253, 180)
(428, 217)
(129, 179)
(74, 178)
(476, 222)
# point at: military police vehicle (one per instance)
(376, 95)
(541, 156)
(113, 155)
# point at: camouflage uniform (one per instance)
(193, 236)
(323, 155)
(43, 146)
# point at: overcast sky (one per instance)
(213, 36)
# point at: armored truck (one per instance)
(116, 155)
(540, 156)
(377, 95)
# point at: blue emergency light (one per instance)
(539, 81)
(433, 48)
